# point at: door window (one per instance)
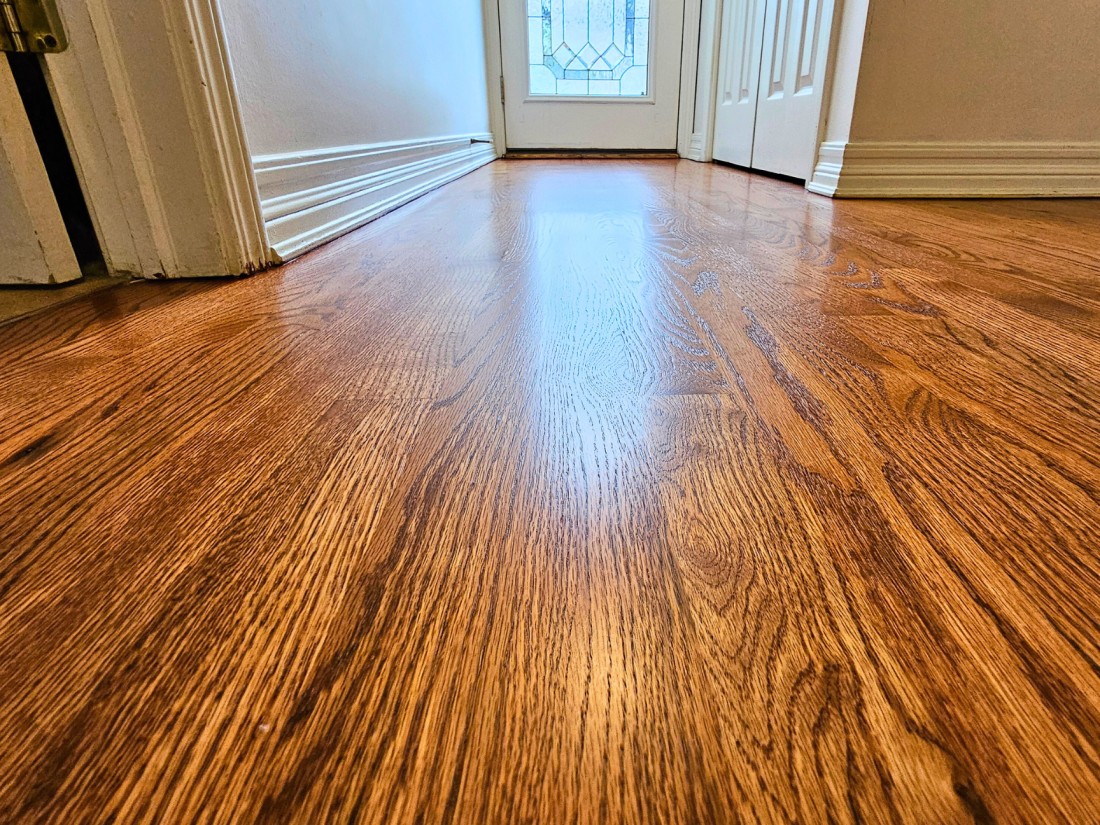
(588, 48)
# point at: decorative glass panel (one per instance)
(588, 47)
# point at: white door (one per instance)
(738, 80)
(791, 48)
(795, 55)
(591, 74)
(34, 246)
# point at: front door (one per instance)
(591, 74)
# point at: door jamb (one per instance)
(697, 141)
(699, 78)
(494, 71)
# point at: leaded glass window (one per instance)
(582, 48)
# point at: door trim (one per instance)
(494, 75)
(152, 221)
(699, 79)
(203, 62)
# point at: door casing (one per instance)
(147, 100)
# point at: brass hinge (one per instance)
(31, 26)
(502, 88)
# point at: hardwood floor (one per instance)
(574, 492)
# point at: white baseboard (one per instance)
(309, 198)
(826, 177)
(696, 147)
(957, 170)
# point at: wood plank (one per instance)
(577, 491)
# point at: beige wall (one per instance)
(979, 70)
(345, 72)
(963, 98)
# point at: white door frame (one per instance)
(697, 133)
(158, 143)
(696, 28)
(34, 246)
(494, 74)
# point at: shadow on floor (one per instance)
(18, 301)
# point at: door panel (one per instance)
(738, 80)
(591, 74)
(36, 248)
(794, 60)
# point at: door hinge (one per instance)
(31, 26)
(502, 88)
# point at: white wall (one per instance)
(316, 74)
(326, 87)
(976, 98)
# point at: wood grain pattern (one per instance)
(578, 492)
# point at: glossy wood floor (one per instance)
(575, 492)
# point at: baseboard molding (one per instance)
(588, 154)
(957, 170)
(697, 147)
(826, 176)
(309, 198)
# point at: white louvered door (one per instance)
(771, 85)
